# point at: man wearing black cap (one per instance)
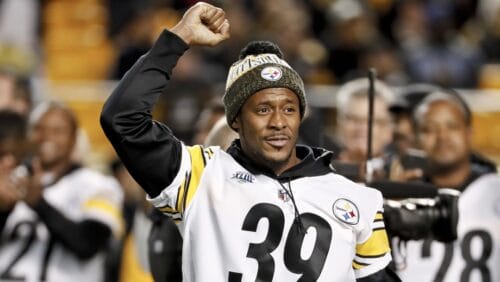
(239, 216)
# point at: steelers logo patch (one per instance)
(271, 73)
(346, 211)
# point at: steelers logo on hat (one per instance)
(271, 73)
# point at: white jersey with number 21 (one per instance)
(29, 252)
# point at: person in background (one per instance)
(220, 197)
(402, 111)
(406, 130)
(128, 259)
(165, 248)
(352, 126)
(13, 148)
(15, 93)
(221, 135)
(63, 224)
(408, 163)
(147, 251)
(208, 117)
(443, 123)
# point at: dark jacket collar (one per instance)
(314, 162)
(479, 167)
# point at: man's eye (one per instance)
(262, 110)
(290, 109)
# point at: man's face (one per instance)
(268, 125)
(54, 137)
(353, 130)
(444, 135)
(15, 147)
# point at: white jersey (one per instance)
(238, 226)
(475, 255)
(25, 252)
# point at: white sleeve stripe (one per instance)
(378, 225)
(183, 168)
(180, 195)
(371, 268)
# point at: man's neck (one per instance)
(278, 170)
(452, 178)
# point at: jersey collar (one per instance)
(314, 162)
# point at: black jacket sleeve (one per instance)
(83, 238)
(148, 148)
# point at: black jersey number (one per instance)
(27, 231)
(471, 263)
(310, 268)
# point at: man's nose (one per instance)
(442, 133)
(278, 120)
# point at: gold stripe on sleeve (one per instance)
(376, 245)
(197, 167)
(104, 206)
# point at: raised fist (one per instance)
(202, 24)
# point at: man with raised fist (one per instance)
(266, 209)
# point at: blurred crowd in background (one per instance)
(443, 42)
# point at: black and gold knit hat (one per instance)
(260, 66)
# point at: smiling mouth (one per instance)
(277, 141)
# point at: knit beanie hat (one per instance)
(260, 66)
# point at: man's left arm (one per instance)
(373, 253)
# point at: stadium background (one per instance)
(75, 49)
